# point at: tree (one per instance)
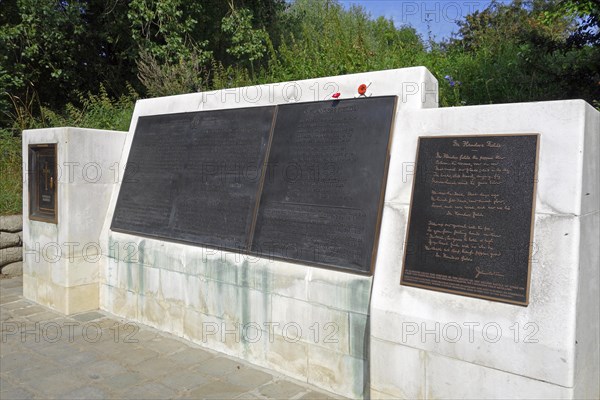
(248, 45)
(507, 53)
(61, 49)
(41, 42)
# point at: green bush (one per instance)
(96, 111)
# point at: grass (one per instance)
(95, 111)
(11, 178)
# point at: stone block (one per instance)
(195, 293)
(82, 271)
(336, 372)
(224, 300)
(282, 278)
(119, 301)
(213, 332)
(451, 378)
(397, 371)
(51, 295)
(192, 325)
(152, 311)
(150, 281)
(222, 266)
(30, 287)
(256, 307)
(288, 357)
(288, 311)
(82, 298)
(172, 286)
(346, 292)
(129, 276)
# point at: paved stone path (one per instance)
(94, 355)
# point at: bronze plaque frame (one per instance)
(37, 211)
(434, 277)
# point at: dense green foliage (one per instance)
(85, 62)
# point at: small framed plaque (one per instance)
(471, 216)
(43, 183)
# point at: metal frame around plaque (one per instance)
(36, 211)
(530, 233)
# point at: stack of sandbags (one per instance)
(11, 245)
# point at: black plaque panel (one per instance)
(325, 183)
(470, 227)
(43, 182)
(195, 177)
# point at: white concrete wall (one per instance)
(61, 261)
(560, 357)
(192, 291)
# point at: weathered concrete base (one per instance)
(307, 323)
(67, 300)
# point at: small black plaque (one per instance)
(471, 216)
(325, 182)
(195, 177)
(43, 182)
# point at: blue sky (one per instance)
(442, 14)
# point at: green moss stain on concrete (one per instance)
(360, 295)
(140, 266)
(358, 334)
(245, 307)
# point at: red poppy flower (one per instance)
(362, 89)
(336, 95)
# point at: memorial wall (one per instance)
(342, 231)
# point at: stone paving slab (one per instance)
(46, 355)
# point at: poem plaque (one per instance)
(471, 216)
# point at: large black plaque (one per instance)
(195, 177)
(325, 183)
(470, 224)
(43, 182)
